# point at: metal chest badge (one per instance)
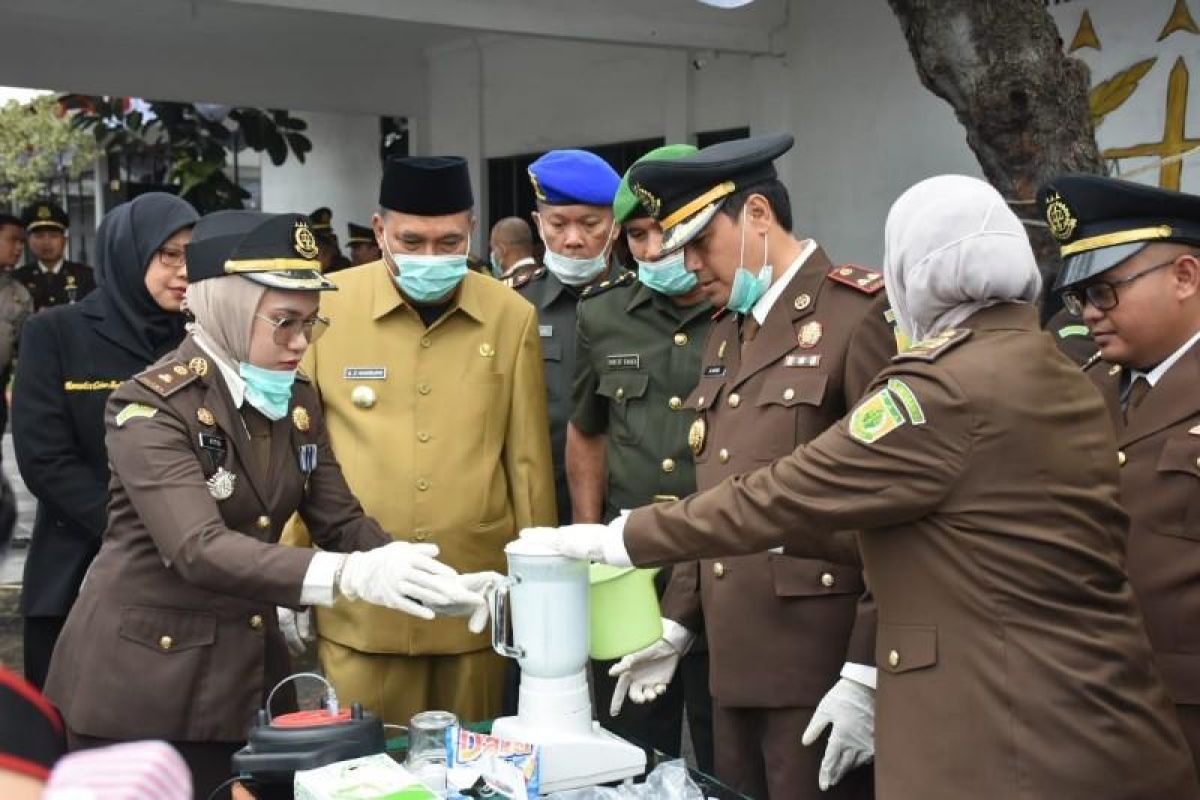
(221, 484)
(810, 334)
(301, 419)
(696, 435)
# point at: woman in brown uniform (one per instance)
(174, 635)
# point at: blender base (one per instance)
(575, 759)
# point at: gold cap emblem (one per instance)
(1059, 217)
(44, 212)
(301, 419)
(304, 241)
(537, 187)
(652, 204)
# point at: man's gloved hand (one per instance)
(586, 541)
(643, 676)
(296, 627)
(850, 708)
(479, 585)
(403, 576)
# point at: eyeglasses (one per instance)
(1103, 294)
(286, 328)
(172, 257)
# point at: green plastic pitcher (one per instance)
(625, 616)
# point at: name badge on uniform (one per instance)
(365, 373)
(625, 361)
(545, 331)
(714, 371)
(308, 458)
(212, 442)
(803, 361)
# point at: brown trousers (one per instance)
(758, 753)
(471, 685)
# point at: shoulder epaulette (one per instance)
(866, 280)
(1092, 361)
(934, 347)
(518, 281)
(624, 279)
(168, 378)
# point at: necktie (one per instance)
(1137, 392)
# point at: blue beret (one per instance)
(569, 177)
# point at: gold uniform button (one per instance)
(165, 642)
(700, 401)
(719, 569)
(1114, 369)
(424, 388)
(256, 622)
(723, 456)
(827, 580)
(363, 397)
(1120, 458)
(681, 339)
(425, 342)
(620, 393)
(675, 403)
(893, 659)
(423, 436)
(422, 485)
(263, 523)
(668, 465)
(735, 400)
(789, 393)
(421, 534)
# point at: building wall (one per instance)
(341, 172)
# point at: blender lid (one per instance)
(525, 547)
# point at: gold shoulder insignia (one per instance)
(626, 278)
(934, 347)
(1092, 361)
(167, 379)
(520, 281)
(866, 280)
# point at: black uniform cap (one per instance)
(685, 194)
(1099, 222)
(321, 220)
(45, 214)
(276, 250)
(426, 186)
(359, 234)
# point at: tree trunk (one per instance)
(1024, 103)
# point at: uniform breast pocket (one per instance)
(1178, 507)
(625, 392)
(552, 359)
(806, 577)
(786, 408)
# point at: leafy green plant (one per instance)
(39, 145)
(191, 142)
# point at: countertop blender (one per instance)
(547, 595)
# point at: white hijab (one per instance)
(952, 247)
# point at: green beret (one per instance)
(626, 204)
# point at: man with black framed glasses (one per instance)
(1131, 271)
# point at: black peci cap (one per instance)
(426, 186)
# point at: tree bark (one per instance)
(1023, 102)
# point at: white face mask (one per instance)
(576, 271)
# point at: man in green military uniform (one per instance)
(639, 344)
(575, 191)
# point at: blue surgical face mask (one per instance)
(497, 267)
(667, 275)
(428, 278)
(576, 271)
(748, 288)
(268, 390)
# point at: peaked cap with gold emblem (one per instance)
(277, 250)
(45, 214)
(689, 191)
(1099, 222)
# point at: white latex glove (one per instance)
(479, 585)
(586, 541)
(643, 676)
(850, 708)
(403, 576)
(296, 627)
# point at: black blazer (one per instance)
(70, 360)
(69, 285)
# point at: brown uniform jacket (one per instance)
(174, 634)
(778, 627)
(1159, 458)
(1013, 661)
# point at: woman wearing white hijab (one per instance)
(979, 473)
(174, 635)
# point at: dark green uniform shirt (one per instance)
(556, 305)
(637, 358)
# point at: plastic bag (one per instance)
(669, 781)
